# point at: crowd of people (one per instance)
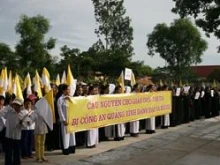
(23, 131)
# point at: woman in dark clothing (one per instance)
(173, 115)
(53, 137)
(186, 106)
(191, 104)
(208, 102)
(197, 103)
(80, 136)
(215, 103)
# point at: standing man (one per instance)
(68, 139)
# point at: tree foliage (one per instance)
(8, 58)
(205, 12)
(139, 69)
(114, 34)
(33, 49)
(81, 63)
(180, 44)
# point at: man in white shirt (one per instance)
(13, 131)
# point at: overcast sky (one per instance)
(73, 24)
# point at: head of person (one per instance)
(164, 88)
(33, 98)
(104, 89)
(55, 89)
(118, 89)
(9, 98)
(85, 90)
(149, 88)
(79, 91)
(93, 90)
(136, 88)
(17, 104)
(28, 104)
(66, 89)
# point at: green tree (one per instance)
(33, 49)
(81, 63)
(205, 12)
(114, 34)
(140, 70)
(180, 44)
(8, 58)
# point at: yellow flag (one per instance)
(70, 81)
(46, 80)
(57, 82)
(5, 79)
(121, 81)
(18, 93)
(37, 86)
(2, 77)
(69, 77)
(50, 99)
(27, 84)
(45, 108)
(133, 81)
(2, 93)
(63, 79)
(214, 85)
(10, 82)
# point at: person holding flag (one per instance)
(68, 139)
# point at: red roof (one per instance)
(206, 70)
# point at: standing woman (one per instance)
(150, 124)
(208, 102)
(134, 125)
(80, 136)
(93, 134)
(165, 119)
(51, 142)
(119, 129)
(68, 139)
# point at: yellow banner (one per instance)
(89, 112)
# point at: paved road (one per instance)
(197, 143)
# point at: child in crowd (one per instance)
(27, 131)
(40, 132)
(13, 116)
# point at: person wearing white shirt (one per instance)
(68, 139)
(13, 116)
(27, 131)
(93, 134)
(2, 125)
(40, 132)
(134, 125)
(119, 129)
